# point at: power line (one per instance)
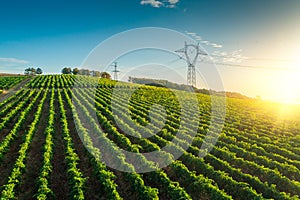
(191, 75)
(276, 59)
(245, 66)
(252, 66)
(256, 58)
(173, 61)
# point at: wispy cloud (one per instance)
(158, 4)
(13, 60)
(235, 56)
(216, 45)
(205, 42)
(153, 3)
(14, 65)
(199, 38)
(229, 57)
(191, 33)
(173, 1)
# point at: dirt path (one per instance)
(8, 93)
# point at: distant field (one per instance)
(257, 155)
(5, 74)
(7, 82)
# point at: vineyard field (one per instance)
(10, 81)
(43, 156)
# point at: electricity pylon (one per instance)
(188, 50)
(115, 71)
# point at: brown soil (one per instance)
(93, 188)
(35, 157)
(10, 157)
(58, 178)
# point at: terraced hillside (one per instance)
(42, 156)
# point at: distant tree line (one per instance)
(33, 71)
(86, 72)
(158, 83)
(168, 84)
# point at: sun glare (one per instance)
(288, 88)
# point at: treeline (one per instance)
(158, 83)
(168, 84)
(33, 71)
(86, 72)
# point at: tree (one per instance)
(30, 71)
(84, 72)
(105, 75)
(75, 71)
(27, 71)
(97, 74)
(33, 71)
(39, 71)
(66, 70)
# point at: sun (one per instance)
(288, 87)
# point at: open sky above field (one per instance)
(256, 42)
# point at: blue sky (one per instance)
(53, 34)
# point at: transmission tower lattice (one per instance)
(115, 71)
(191, 53)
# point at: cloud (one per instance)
(13, 60)
(173, 1)
(191, 33)
(208, 43)
(153, 3)
(216, 45)
(170, 6)
(205, 42)
(235, 56)
(229, 57)
(200, 39)
(158, 4)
